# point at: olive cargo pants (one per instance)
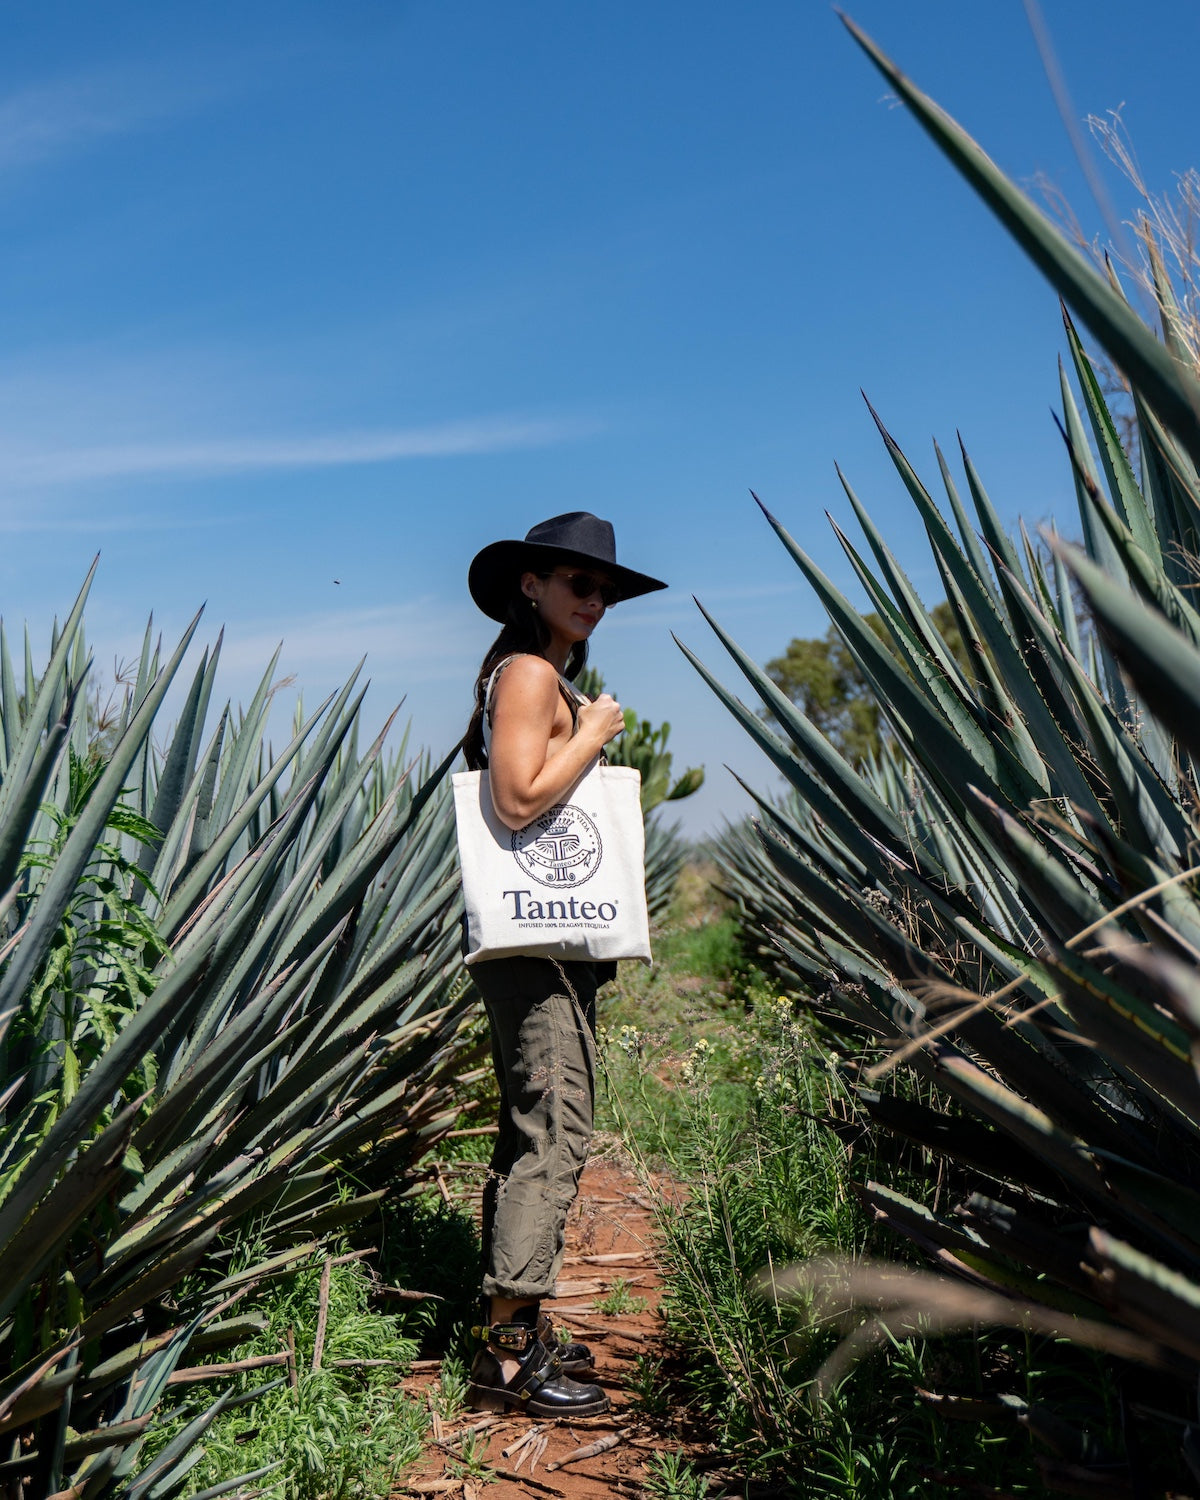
(543, 1021)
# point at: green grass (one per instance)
(470, 1461)
(689, 1005)
(449, 1395)
(669, 1476)
(619, 1299)
(341, 1431)
(645, 1383)
(709, 950)
(717, 1082)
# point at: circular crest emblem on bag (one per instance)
(561, 848)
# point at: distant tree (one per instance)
(823, 680)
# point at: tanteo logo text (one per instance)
(561, 848)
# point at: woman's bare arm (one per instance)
(527, 775)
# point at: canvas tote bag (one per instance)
(570, 885)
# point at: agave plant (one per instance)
(761, 900)
(1007, 898)
(222, 971)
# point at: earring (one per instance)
(533, 604)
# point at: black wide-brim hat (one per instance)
(578, 537)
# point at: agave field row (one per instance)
(1006, 896)
(224, 972)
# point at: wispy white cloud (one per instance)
(410, 641)
(24, 522)
(419, 656)
(46, 465)
(49, 120)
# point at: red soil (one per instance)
(610, 1236)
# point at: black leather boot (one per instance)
(576, 1357)
(539, 1387)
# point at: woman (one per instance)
(537, 736)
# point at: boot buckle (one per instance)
(515, 1338)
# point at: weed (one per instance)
(620, 1300)
(470, 1460)
(669, 1476)
(343, 1429)
(755, 1126)
(449, 1396)
(711, 951)
(645, 1383)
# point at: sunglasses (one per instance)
(584, 585)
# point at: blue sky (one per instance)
(304, 304)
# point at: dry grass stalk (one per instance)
(322, 1315)
(235, 1367)
(614, 1258)
(527, 1437)
(344, 1260)
(443, 1189)
(594, 1330)
(920, 1303)
(528, 1448)
(454, 1438)
(975, 1004)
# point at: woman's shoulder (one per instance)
(527, 668)
(526, 674)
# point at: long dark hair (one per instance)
(523, 633)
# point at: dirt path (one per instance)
(610, 1241)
